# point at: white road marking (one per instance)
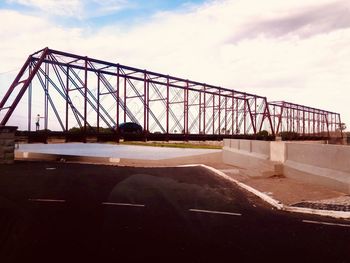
(214, 212)
(46, 200)
(325, 223)
(50, 168)
(123, 204)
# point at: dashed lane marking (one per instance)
(214, 212)
(325, 223)
(123, 204)
(46, 200)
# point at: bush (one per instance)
(263, 133)
(90, 129)
(75, 130)
(286, 136)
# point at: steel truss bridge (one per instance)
(91, 94)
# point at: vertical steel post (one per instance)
(186, 108)
(287, 118)
(251, 119)
(309, 124)
(118, 95)
(125, 106)
(219, 112)
(341, 131)
(213, 114)
(30, 87)
(225, 115)
(98, 101)
(298, 120)
(267, 110)
(167, 104)
(327, 125)
(280, 118)
(237, 124)
(274, 117)
(67, 97)
(303, 122)
(245, 114)
(204, 110)
(233, 111)
(145, 102)
(255, 115)
(200, 112)
(46, 101)
(323, 123)
(316, 123)
(331, 122)
(148, 107)
(292, 116)
(293, 120)
(85, 96)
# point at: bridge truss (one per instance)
(291, 117)
(78, 91)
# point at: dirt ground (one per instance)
(286, 190)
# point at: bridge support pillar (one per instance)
(7, 144)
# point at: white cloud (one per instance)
(61, 8)
(107, 6)
(284, 50)
(79, 9)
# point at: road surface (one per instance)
(64, 212)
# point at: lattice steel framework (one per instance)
(291, 117)
(90, 94)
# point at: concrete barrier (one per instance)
(7, 144)
(251, 155)
(317, 163)
(323, 164)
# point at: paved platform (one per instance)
(112, 150)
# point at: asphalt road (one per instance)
(60, 212)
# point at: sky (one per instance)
(292, 50)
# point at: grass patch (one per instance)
(172, 145)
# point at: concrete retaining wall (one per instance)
(323, 164)
(7, 144)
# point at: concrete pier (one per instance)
(7, 144)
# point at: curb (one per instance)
(277, 204)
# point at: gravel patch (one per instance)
(341, 203)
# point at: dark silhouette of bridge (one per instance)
(92, 95)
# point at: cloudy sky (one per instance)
(293, 50)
